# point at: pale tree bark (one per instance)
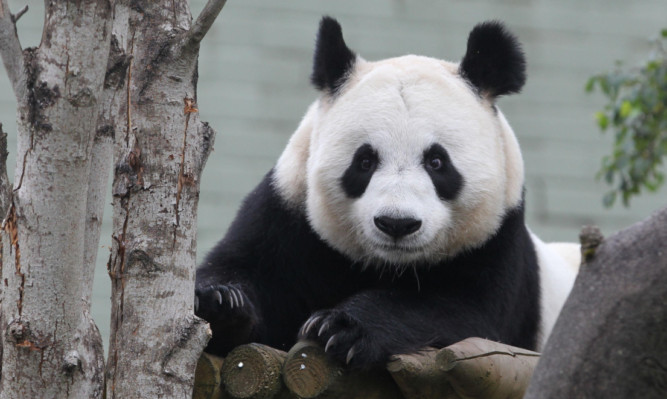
(610, 340)
(51, 347)
(160, 149)
(5, 198)
(104, 73)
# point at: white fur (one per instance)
(559, 264)
(569, 251)
(400, 107)
(290, 170)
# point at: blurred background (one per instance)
(253, 89)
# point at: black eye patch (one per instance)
(359, 173)
(446, 179)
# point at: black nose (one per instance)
(397, 228)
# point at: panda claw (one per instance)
(228, 295)
(350, 355)
(235, 299)
(218, 297)
(330, 343)
(309, 324)
(241, 301)
(323, 328)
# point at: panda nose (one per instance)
(397, 228)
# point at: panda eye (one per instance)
(366, 164)
(435, 163)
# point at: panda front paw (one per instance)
(344, 338)
(231, 314)
(225, 295)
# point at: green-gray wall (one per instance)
(253, 89)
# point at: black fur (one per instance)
(494, 62)
(447, 180)
(359, 173)
(286, 273)
(333, 59)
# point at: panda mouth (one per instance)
(401, 248)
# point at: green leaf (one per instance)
(609, 176)
(626, 108)
(636, 113)
(609, 199)
(626, 198)
(602, 120)
(622, 162)
(651, 186)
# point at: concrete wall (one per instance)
(253, 89)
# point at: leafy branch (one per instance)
(636, 111)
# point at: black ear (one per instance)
(332, 59)
(494, 62)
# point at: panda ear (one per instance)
(494, 62)
(332, 59)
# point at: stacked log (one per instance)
(470, 369)
(310, 373)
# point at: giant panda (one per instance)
(394, 218)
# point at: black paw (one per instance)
(230, 312)
(220, 297)
(344, 338)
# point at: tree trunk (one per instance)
(105, 72)
(160, 150)
(610, 340)
(5, 198)
(51, 347)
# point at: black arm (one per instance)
(276, 268)
(371, 326)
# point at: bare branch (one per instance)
(10, 49)
(203, 22)
(18, 15)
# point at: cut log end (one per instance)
(207, 377)
(308, 371)
(253, 371)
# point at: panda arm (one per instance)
(230, 281)
(371, 326)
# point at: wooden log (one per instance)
(309, 372)
(478, 368)
(418, 376)
(252, 371)
(208, 378)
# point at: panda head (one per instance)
(407, 160)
